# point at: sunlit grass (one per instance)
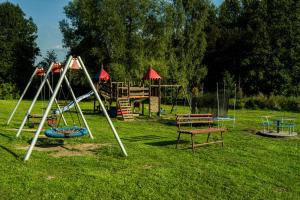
(248, 167)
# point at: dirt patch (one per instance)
(147, 166)
(69, 149)
(50, 177)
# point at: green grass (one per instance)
(248, 167)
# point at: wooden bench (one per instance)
(206, 119)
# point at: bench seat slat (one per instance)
(202, 131)
(194, 115)
(195, 122)
(192, 118)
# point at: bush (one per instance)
(8, 91)
(279, 103)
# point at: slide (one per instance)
(72, 103)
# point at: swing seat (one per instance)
(66, 132)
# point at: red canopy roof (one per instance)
(151, 74)
(103, 76)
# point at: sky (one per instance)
(46, 14)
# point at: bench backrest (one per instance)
(194, 119)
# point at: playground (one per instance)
(248, 166)
(78, 151)
(149, 99)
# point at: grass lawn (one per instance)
(248, 167)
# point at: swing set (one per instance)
(73, 63)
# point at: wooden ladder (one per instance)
(125, 109)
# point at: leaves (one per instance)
(17, 45)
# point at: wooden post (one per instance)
(128, 90)
(159, 96)
(150, 98)
(117, 92)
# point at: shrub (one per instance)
(8, 91)
(271, 103)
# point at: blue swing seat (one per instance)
(66, 132)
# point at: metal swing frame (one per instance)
(62, 78)
(42, 85)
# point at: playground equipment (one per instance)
(66, 132)
(72, 64)
(280, 126)
(215, 103)
(123, 93)
(72, 103)
(38, 72)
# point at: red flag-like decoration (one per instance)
(103, 76)
(151, 74)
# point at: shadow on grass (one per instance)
(141, 138)
(168, 122)
(9, 151)
(46, 142)
(166, 143)
(4, 135)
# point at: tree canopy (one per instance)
(17, 45)
(128, 36)
(252, 43)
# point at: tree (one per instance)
(17, 45)
(50, 57)
(131, 35)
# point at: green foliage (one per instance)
(8, 91)
(17, 45)
(132, 35)
(257, 42)
(280, 103)
(50, 57)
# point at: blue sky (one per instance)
(46, 15)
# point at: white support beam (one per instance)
(56, 102)
(33, 142)
(78, 107)
(34, 100)
(102, 107)
(22, 96)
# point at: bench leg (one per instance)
(178, 139)
(193, 143)
(208, 137)
(222, 139)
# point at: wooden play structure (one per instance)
(125, 93)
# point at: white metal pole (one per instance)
(103, 108)
(24, 92)
(29, 151)
(79, 109)
(56, 102)
(33, 101)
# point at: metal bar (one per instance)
(62, 115)
(77, 104)
(29, 151)
(24, 92)
(34, 100)
(103, 108)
